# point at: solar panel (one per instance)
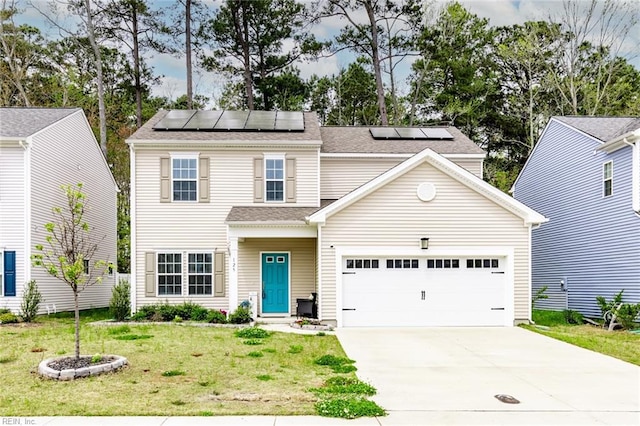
(174, 119)
(289, 120)
(384, 133)
(410, 133)
(436, 133)
(261, 120)
(203, 120)
(232, 120)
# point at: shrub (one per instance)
(216, 317)
(31, 299)
(627, 315)
(609, 305)
(8, 318)
(349, 408)
(188, 310)
(252, 333)
(345, 385)
(333, 360)
(240, 316)
(120, 304)
(4, 311)
(572, 317)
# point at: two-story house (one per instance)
(584, 175)
(42, 149)
(389, 226)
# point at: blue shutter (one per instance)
(9, 273)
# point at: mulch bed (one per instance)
(71, 363)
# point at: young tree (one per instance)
(70, 250)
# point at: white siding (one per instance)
(67, 153)
(302, 261)
(12, 217)
(393, 216)
(339, 176)
(188, 226)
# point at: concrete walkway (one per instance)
(451, 376)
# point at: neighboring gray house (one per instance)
(584, 175)
(40, 150)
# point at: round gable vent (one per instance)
(426, 191)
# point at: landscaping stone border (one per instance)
(72, 374)
(319, 327)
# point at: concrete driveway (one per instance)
(450, 376)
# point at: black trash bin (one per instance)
(307, 307)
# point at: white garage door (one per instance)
(458, 291)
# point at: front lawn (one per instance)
(619, 344)
(174, 370)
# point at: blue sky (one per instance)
(499, 13)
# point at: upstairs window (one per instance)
(185, 178)
(607, 178)
(274, 178)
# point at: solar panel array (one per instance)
(248, 121)
(410, 133)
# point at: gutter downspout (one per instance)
(635, 176)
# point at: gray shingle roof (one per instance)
(269, 214)
(603, 128)
(358, 139)
(146, 132)
(23, 122)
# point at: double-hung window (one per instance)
(184, 172)
(1, 273)
(607, 179)
(274, 178)
(169, 274)
(200, 273)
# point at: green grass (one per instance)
(618, 344)
(222, 381)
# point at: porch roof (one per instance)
(276, 215)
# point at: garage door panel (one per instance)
(425, 295)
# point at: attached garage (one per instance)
(425, 291)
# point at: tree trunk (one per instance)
(77, 316)
(248, 80)
(375, 56)
(136, 64)
(97, 60)
(187, 49)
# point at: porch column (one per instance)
(233, 273)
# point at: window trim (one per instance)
(185, 156)
(606, 179)
(157, 270)
(211, 274)
(282, 158)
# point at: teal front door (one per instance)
(275, 283)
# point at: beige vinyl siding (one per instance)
(185, 226)
(12, 218)
(302, 264)
(67, 153)
(393, 216)
(339, 176)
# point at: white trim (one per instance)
(182, 261)
(133, 228)
(27, 213)
(244, 143)
(395, 155)
(530, 272)
(498, 251)
(446, 166)
(185, 156)
(271, 231)
(288, 312)
(275, 156)
(319, 299)
(233, 272)
(184, 274)
(2, 271)
(318, 186)
(635, 177)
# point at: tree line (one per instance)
(499, 85)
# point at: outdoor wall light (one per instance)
(424, 243)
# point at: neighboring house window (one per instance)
(169, 274)
(185, 178)
(274, 178)
(86, 266)
(200, 274)
(607, 178)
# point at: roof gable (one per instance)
(24, 122)
(468, 179)
(601, 128)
